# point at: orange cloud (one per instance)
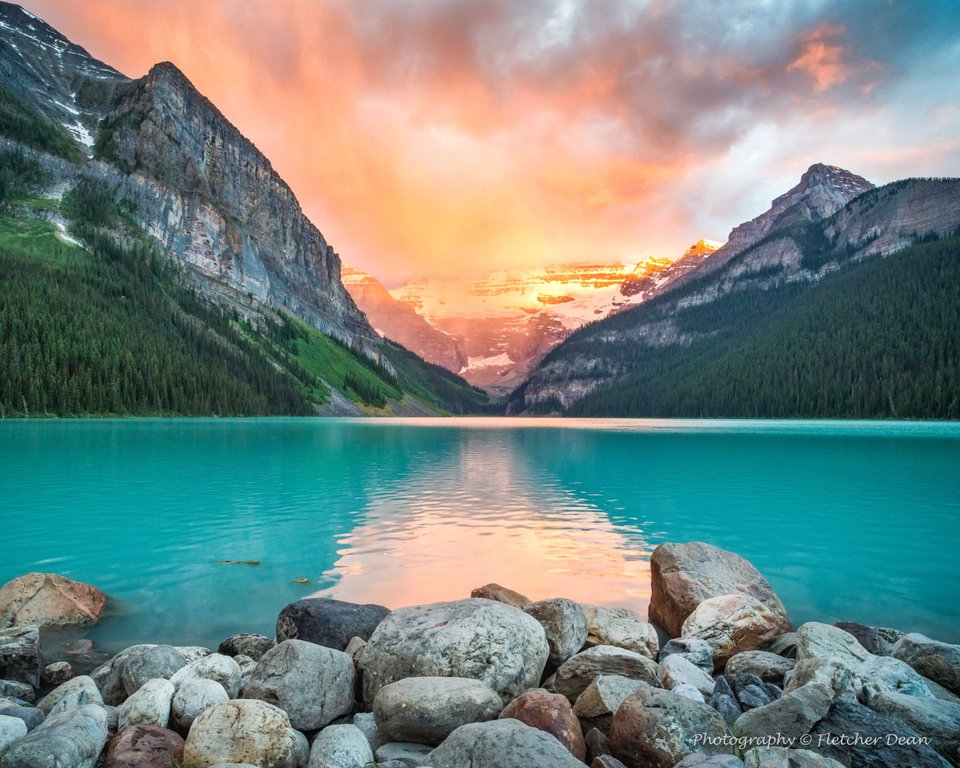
(822, 58)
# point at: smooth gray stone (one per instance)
(73, 739)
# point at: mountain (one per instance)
(149, 176)
(835, 302)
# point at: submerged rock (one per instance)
(48, 599)
(328, 622)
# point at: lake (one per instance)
(848, 520)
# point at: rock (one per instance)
(841, 678)
(31, 716)
(676, 670)
(192, 653)
(599, 701)
(783, 645)
(577, 673)
(938, 661)
(328, 622)
(597, 744)
(56, 674)
(696, 651)
(48, 599)
(886, 674)
(939, 691)
(767, 666)
(313, 684)
(156, 662)
(622, 628)
(606, 761)
(340, 746)
(192, 698)
(481, 639)
(872, 746)
(150, 705)
(781, 757)
(697, 760)
(72, 739)
(426, 710)
(11, 729)
(113, 719)
(108, 676)
(253, 646)
(501, 595)
(877, 640)
(724, 701)
(355, 649)
(938, 720)
(217, 667)
(823, 641)
(245, 731)
(753, 696)
(501, 744)
(409, 754)
(689, 692)
(791, 716)
(564, 624)
(552, 713)
(20, 657)
(79, 691)
(144, 746)
(657, 729)
(17, 690)
(731, 624)
(684, 575)
(367, 724)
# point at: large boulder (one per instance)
(245, 731)
(792, 715)
(731, 624)
(684, 575)
(217, 667)
(601, 699)
(564, 623)
(144, 746)
(340, 746)
(881, 741)
(825, 641)
(552, 713)
(937, 720)
(192, 698)
(72, 739)
(148, 706)
(481, 639)
(655, 728)
(621, 628)
(931, 658)
(426, 710)
(501, 595)
(501, 744)
(246, 644)
(577, 673)
(311, 683)
(767, 666)
(328, 622)
(20, 656)
(48, 599)
(79, 691)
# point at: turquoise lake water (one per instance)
(848, 520)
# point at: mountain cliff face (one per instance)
(808, 235)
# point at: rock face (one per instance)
(312, 684)
(622, 628)
(501, 595)
(657, 729)
(552, 713)
(501, 744)
(47, 599)
(340, 746)
(328, 622)
(684, 575)
(72, 739)
(577, 673)
(242, 731)
(143, 746)
(938, 661)
(564, 623)
(20, 657)
(731, 624)
(426, 710)
(443, 639)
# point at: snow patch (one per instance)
(80, 133)
(499, 361)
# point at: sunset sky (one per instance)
(437, 138)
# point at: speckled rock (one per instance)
(577, 673)
(677, 670)
(552, 713)
(56, 674)
(622, 628)
(340, 746)
(599, 701)
(695, 650)
(159, 661)
(217, 667)
(731, 624)
(768, 666)
(192, 698)
(78, 691)
(150, 705)
(73, 739)
(144, 746)
(564, 623)
(793, 715)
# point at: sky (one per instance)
(442, 138)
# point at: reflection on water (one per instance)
(855, 521)
(480, 514)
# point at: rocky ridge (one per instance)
(498, 681)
